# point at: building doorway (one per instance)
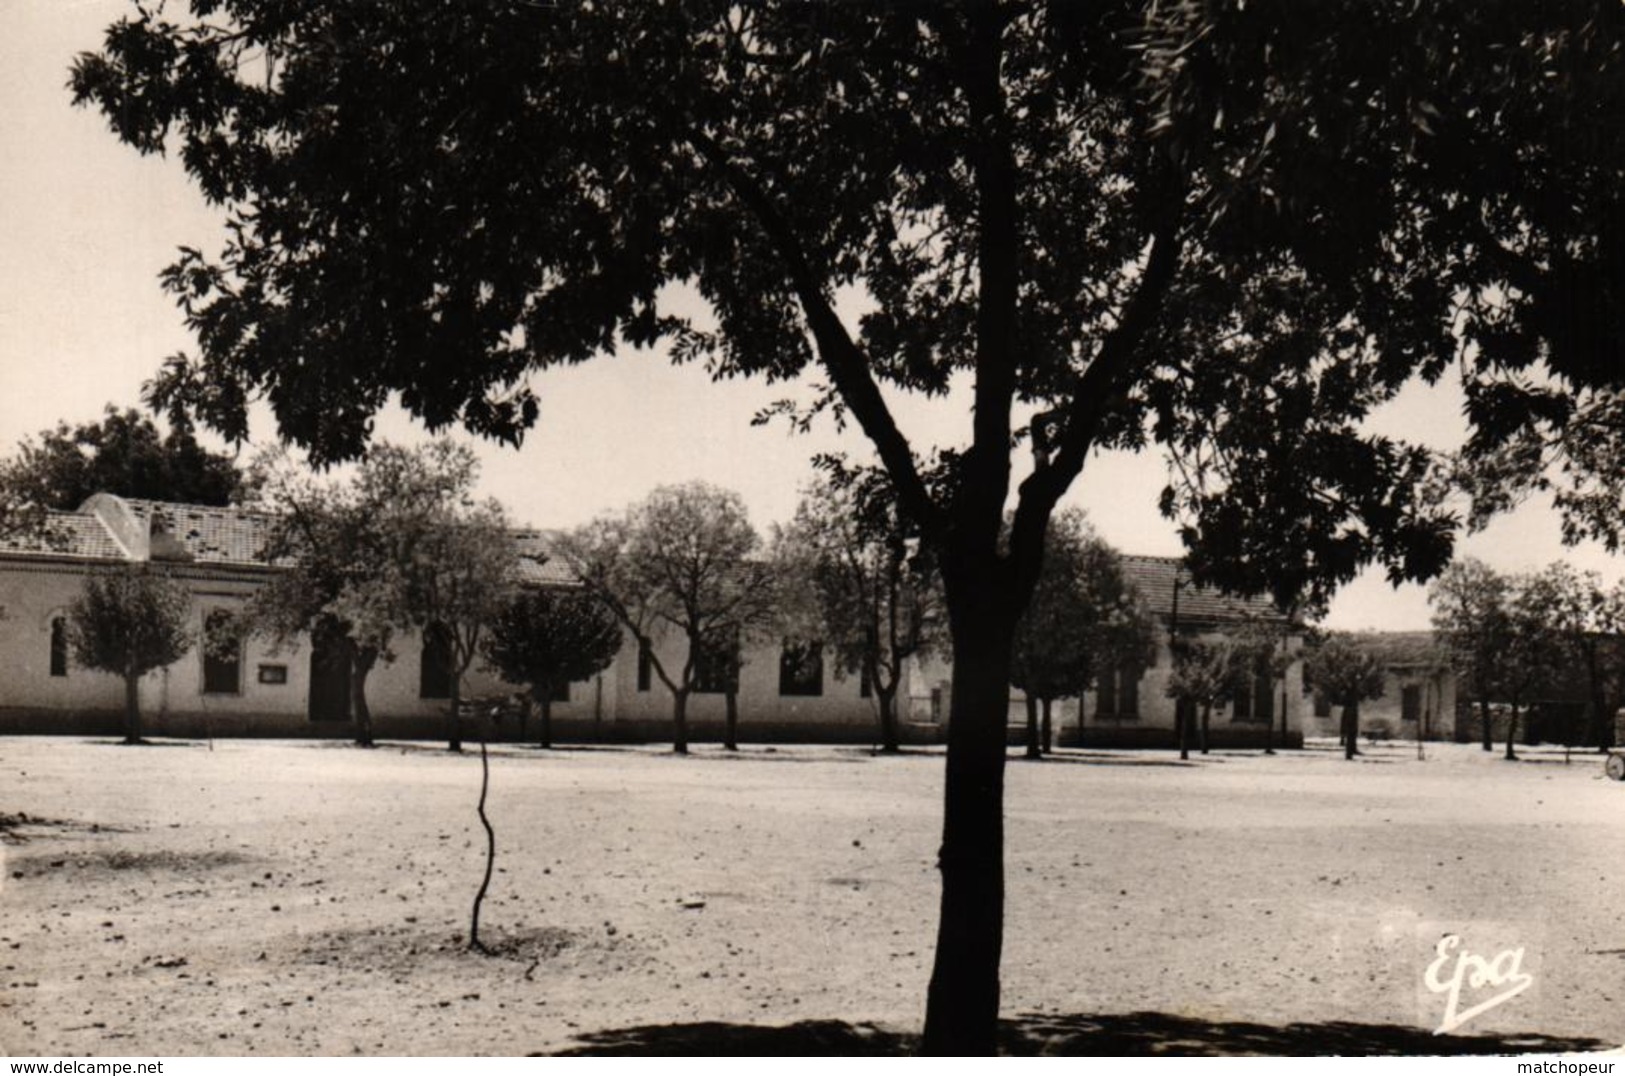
(329, 680)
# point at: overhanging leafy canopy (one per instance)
(1231, 228)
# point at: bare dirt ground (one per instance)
(303, 898)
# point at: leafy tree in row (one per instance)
(450, 557)
(1588, 620)
(1205, 675)
(547, 638)
(1084, 620)
(1535, 647)
(129, 623)
(1348, 674)
(1471, 623)
(680, 564)
(335, 589)
(1230, 229)
(853, 573)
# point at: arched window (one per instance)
(435, 671)
(222, 655)
(645, 666)
(59, 646)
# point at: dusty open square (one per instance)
(283, 897)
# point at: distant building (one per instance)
(786, 693)
(1418, 697)
(1129, 705)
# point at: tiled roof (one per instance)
(537, 565)
(68, 534)
(1155, 577)
(1402, 649)
(120, 528)
(210, 535)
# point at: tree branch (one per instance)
(987, 465)
(846, 363)
(1100, 387)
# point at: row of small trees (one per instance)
(404, 546)
(1514, 637)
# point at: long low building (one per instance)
(255, 688)
(1129, 706)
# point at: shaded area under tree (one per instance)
(1074, 1035)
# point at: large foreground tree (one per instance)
(1230, 228)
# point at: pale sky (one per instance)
(86, 224)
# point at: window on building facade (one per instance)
(561, 692)
(59, 646)
(801, 669)
(435, 669)
(1410, 702)
(645, 666)
(866, 685)
(1117, 692)
(1241, 700)
(222, 655)
(713, 669)
(1323, 704)
(1254, 699)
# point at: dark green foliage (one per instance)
(1348, 674)
(128, 624)
(549, 637)
(123, 454)
(679, 565)
(1084, 617)
(854, 574)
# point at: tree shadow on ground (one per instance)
(1086, 758)
(146, 743)
(1114, 1034)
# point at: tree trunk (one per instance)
(1351, 730)
(1032, 728)
(362, 659)
(962, 1003)
(1207, 715)
(679, 722)
(1601, 725)
(1047, 727)
(730, 729)
(454, 733)
(1512, 731)
(490, 853)
(1484, 715)
(890, 743)
(1182, 722)
(544, 731)
(1269, 726)
(132, 707)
